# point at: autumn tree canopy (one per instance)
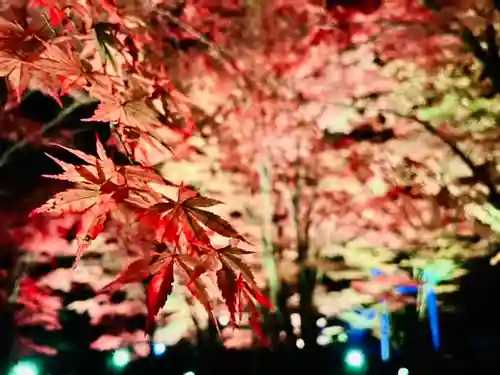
(342, 136)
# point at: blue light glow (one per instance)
(432, 310)
(385, 336)
(159, 348)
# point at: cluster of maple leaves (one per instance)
(107, 52)
(182, 228)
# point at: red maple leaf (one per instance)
(130, 107)
(162, 267)
(62, 68)
(239, 292)
(101, 187)
(237, 284)
(19, 49)
(187, 216)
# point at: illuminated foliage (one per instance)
(340, 148)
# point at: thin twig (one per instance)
(216, 52)
(122, 143)
(4, 158)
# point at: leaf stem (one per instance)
(116, 132)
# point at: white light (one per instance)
(323, 340)
(321, 322)
(121, 358)
(25, 368)
(403, 371)
(300, 343)
(295, 320)
(159, 348)
(355, 358)
(189, 373)
(224, 320)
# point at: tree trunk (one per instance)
(307, 283)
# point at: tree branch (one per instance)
(478, 175)
(65, 112)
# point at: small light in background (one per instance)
(224, 320)
(282, 335)
(25, 368)
(300, 343)
(354, 359)
(189, 373)
(159, 348)
(121, 358)
(321, 322)
(295, 320)
(323, 340)
(342, 337)
(403, 371)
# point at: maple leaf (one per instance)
(237, 284)
(22, 41)
(161, 285)
(100, 189)
(227, 255)
(187, 216)
(238, 293)
(61, 61)
(135, 272)
(130, 108)
(161, 267)
(159, 288)
(17, 55)
(134, 113)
